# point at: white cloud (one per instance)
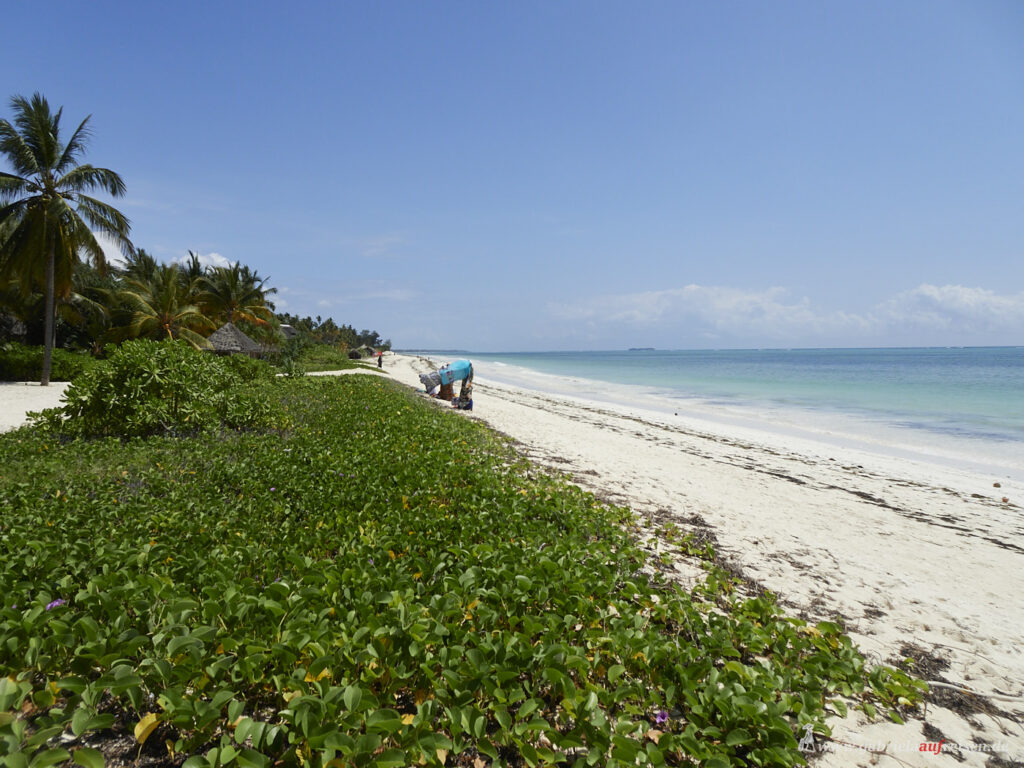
(954, 307)
(211, 259)
(721, 312)
(717, 308)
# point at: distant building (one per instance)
(289, 332)
(228, 340)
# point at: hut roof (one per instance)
(288, 331)
(228, 338)
(12, 325)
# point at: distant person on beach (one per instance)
(380, 360)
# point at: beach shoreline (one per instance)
(917, 559)
(882, 429)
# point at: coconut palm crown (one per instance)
(235, 293)
(46, 219)
(164, 308)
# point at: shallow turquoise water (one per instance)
(975, 393)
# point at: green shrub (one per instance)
(247, 368)
(19, 362)
(321, 357)
(151, 387)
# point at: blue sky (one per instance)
(569, 175)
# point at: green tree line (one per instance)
(326, 331)
(57, 287)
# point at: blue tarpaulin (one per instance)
(456, 370)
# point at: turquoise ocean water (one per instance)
(964, 405)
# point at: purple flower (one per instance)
(661, 718)
(273, 489)
(371, 561)
(56, 603)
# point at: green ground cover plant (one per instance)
(320, 357)
(382, 583)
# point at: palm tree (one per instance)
(236, 293)
(165, 308)
(139, 265)
(82, 316)
(192, 268)
(46, 220)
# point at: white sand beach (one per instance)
(18, 398)
(919, 559)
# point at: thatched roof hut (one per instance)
(11, 327)
(228, 340)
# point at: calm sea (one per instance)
(964, 404)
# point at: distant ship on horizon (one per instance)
(641, 349)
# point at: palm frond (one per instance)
(138, 301)
(19, 153)
(139, 265)
(141, 325)
(12, 213)
(25, 236)
(193, 338)
(108, 220)
(192, 316)
(84, 241)
(98, 305)
(39, 128)
(75, 146)
(11, 186)
(77, 307)
(88, 177)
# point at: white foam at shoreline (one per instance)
(830, 428)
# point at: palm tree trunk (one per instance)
(48, 320)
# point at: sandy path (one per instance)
(19, 397)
